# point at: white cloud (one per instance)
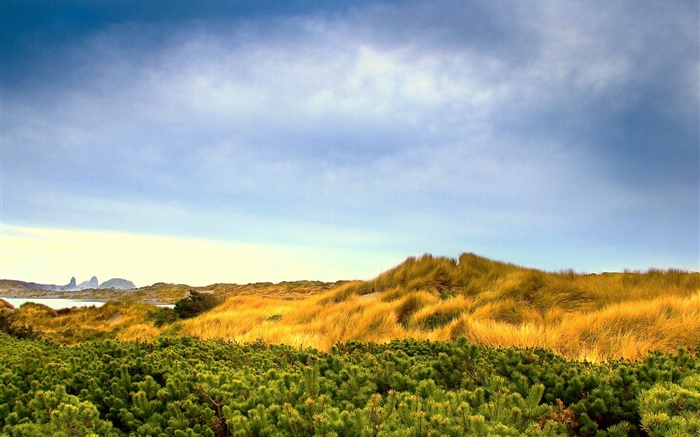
(315, 128)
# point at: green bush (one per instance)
(8, 326)
(162, 317)
(672, 409)
(59, 414)
(438, 319)
(195, 304)
(187, 387)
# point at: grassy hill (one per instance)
(491, 303)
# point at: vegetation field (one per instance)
(593, 317)
(435, 346)
(189, 387)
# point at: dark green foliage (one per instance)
(195, 304)
(63, 311)
(188, 387)
(438, 319)
(56, 413)
(162, 317)
(8, 326)
(407, 307)
(447, 294)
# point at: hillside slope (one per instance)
(491, 303)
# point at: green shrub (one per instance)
(187, 387)
(438, 319)
(672, 409)
(8, 326)
(59, 414)
(195, 304)
(408, 306)
(162, 317)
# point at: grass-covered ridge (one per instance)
(490, 303)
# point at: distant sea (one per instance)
(58, 303)
(55, 303)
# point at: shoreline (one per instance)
(76, 301)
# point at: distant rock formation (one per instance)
(92, 283)
(71, 286)
(118, 283)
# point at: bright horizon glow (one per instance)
(58, 254)
(147, 259)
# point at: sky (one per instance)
(232, 141)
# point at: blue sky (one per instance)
(334, 139)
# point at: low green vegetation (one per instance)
(9, 327)
(592, 317)
(521, 352)
(195, 304)
(190, 387)
(670, 409)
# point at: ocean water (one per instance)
(55, 303)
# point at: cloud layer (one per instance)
(544, 134)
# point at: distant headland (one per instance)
(93, 283)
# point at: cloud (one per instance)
(414, 125)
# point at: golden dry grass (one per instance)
(592, 317)
(622, 330)
(113, 319)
